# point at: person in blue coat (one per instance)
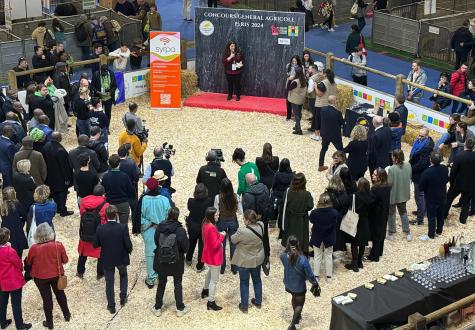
(7, 152)
(434, 185)
(14, 218)
(297, 271)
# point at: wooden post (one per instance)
(12, 79)
(399, 89)
(329, 60)
(418, 321)
(183, 59)
(102, 60)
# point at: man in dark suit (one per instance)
(401, 110)
(60, 172)
(419, 160)
(7, 153)
(114, 240)
(433, 184)
(462, 180)
(82, 148)
(332, 122)
(379, 145)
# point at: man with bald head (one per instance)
(7, 153)
(330, 131)
(257, 198)
(35, 120)
(38, 168)
(419, 159)
(379, 145)
(60, 172)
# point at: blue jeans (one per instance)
(441, 141)
(230, 226)
(82, 127)
(244, 274)
(86, 52)
(109, 273)
(420, 202)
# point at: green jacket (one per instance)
(399, 179)
(248, 167)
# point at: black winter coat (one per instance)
(379, 146)
(379, 212)
(171, 227)
(44, 103)
(211, 176)
(60, 171)
(267, 170)
(24, 187)
(357, 158)
(15, 221)
(280, 184)
(363, 204)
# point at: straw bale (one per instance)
(189, 83)
(193, 132)
(344, 97)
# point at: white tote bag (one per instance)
(349, 224)
(32, 231)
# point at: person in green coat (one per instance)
(239, 157)
(297, 203)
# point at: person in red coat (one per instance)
(458, 83)
(46, 259)
(11, 282)
(85, 249)
(212, 256)
(233, 61)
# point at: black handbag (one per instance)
(266, 264)
(315, 290)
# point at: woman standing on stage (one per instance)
(233, 61)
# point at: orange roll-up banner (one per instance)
(165, 69)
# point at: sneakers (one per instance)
(322, 168)
(180, 313)
(331, 30)
(390, 237)
(425, 238)
(316, 138)
(409, 237)
(329, 279)
(416, 222)
(156, 312)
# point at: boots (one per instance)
(204, 293)
(211, 305)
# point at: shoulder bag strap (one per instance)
(99, 208)
(285, 208)
(256, 233)
(57, 257)
(353, 204)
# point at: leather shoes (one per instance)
(111, 310)
(66, 214)
(25, 326)
(204, 293)
(322, 168)
(123, 301)
(67, 318)
(253, 301)
(299, 132)
(48, 325)
(6, 324)
(352, 267)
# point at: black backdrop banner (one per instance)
(268, 40)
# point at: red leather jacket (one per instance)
(43, 261)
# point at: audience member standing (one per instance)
(267, 165)
(433, 183)
(379, 145)
(14, 218)
(24, 185)
(280, 184)
(114, 240)
(7, 154)
(419, 160)
(401, 109)
(358, 57)
(248, 257)
(212, 257)
(399, 179)
(458, 83)
(11, 283)
(324, 90)
(104, 86)
(170, 234)
(197, 207)
(296, 86)
(38, 168)
(239, 157)
(84, 179)
(331, 131)
(82, 112)
(417, 75)
(82, 149)
(124, 7)
(42, 100)
(39, 60)
(379, 213)
(357, 152)
(46, 259)
(95, 144)
(340, 200)
(43, 210)
(462, 35)
(211, 174)
(462, 180)
(339, 163)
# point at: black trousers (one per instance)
(325, 143)
(357, 254)
(213, 3)
(329, 20)
(194, 233)
(162, 283)
(60, 198)
(16, 307)
(234, 84)
(109, 274)
(435, 216)
(81, 267)
(316, 119)
(460, 58)
(464, 202)
(107, 105)
(45, 287)
(289, 108)
(363, 80)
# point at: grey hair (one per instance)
(24, 166)
(44, 233)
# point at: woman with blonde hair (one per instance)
(24, 184)
(46, 259)
(44, 209)
(14, 218)
(357, 152)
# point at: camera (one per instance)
(142, 135)
(168, 150)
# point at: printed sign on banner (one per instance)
(436, 121)
(165, 70)
(135, 83)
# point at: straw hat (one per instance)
(160, 175)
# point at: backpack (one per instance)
(168, 249)
(80, 32)
(115, 26)
(89, 222)
(263, 205)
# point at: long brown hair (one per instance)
(293, 249)
(227, 196)
(227, 51)
(382, 177)
(298, 182)
(398, 157)
(8, 201)
(267, 152)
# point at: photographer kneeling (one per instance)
(137, 147)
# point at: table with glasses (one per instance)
(443, 282)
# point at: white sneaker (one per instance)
(180, 313)
(316, 137)
(156, 312)
(335, 25)
(409, 237)
(390, 237)
(331, 30)
(424, 237)
(329, 279)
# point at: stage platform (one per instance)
(247, 103)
